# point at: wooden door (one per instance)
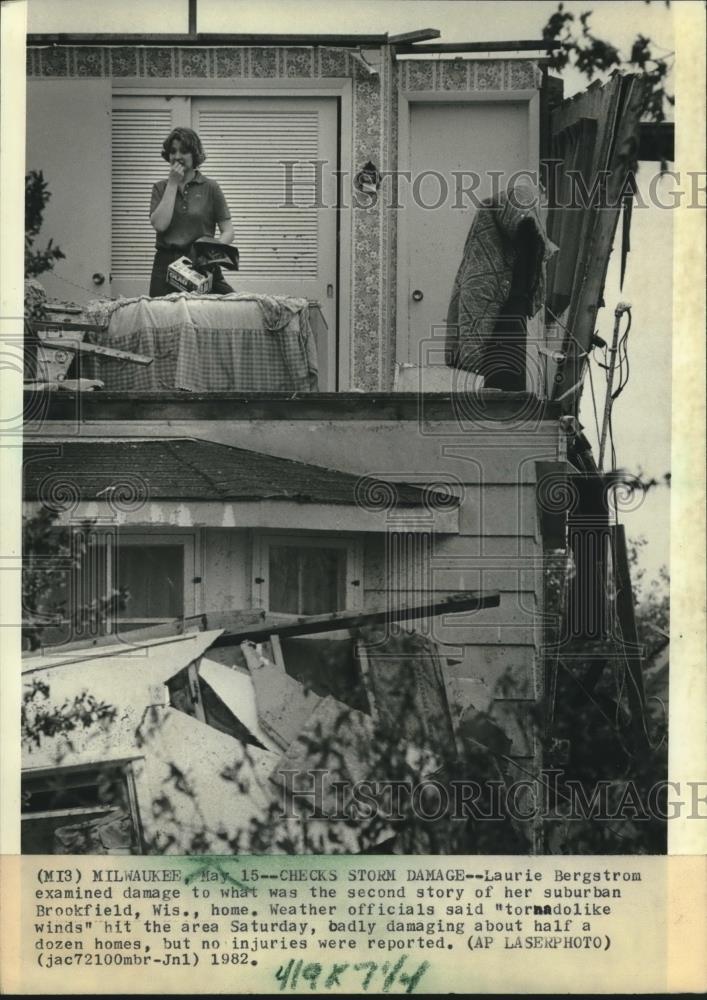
(444, 143)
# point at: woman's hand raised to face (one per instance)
(176, 172)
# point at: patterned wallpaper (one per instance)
(373, 137)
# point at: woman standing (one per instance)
(184, 207)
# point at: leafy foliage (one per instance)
(652, 601)
(592, 736)
(50, 553)
(589, 54)
(41, 719)
(37, 261)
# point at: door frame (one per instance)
(338, 88)
(408, 97)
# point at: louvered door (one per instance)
(139, 127)
(275, 159)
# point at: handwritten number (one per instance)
(283, 973)
(312, 972)
(371, 966)
(390, 978)
(287, 975)
(412, 981)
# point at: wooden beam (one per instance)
(164, 39)
(64, 310)
(522, 45)
(258, 625)
(410, 37)
(135, 637)
(67, 324)
(394, 406)
(617, 142)
(192, 17)
(312, 624)
(78, 347)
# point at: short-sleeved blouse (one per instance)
(196, 211)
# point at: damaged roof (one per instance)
(190, 469)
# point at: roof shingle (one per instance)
(190, 469)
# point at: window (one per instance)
(301, 575)
(153, 576)
(81, 810)
(154, 573)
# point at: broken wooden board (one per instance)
(327, 664)
(604, 123)
(469, 600)
(236, 690)
(467, 693)
(59, 342)
(283, 704)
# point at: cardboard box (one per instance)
(184, 277)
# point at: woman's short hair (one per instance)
(189, 141)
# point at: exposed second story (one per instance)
(354, 168)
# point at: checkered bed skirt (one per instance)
(207, 344)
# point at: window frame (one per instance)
(130, 771)
(262, 540)
(188, 543)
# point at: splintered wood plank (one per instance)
(311, 624)
(283, 704)
(58, 342)
(617, 108)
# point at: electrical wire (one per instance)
(623, 359)
(594, 399)
(568, 332)
(624, 373)
(589, 356)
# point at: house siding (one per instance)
(226, 557)
(493, 467)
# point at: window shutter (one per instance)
(277, 236)
(137, 136)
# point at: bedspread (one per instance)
(484, 279)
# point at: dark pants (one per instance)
(158, 282)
